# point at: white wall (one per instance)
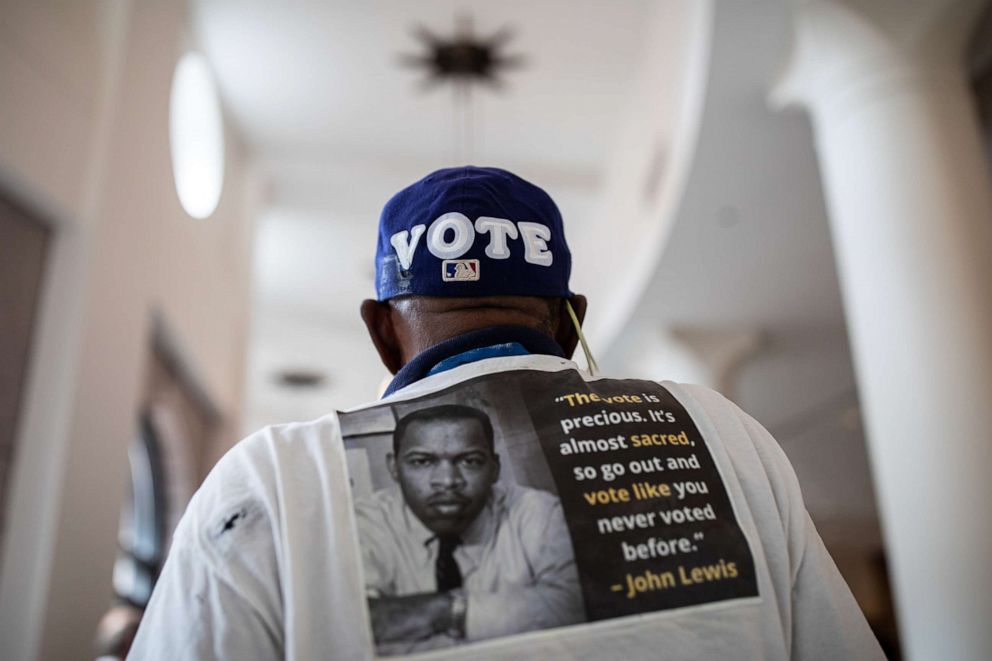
(84, 137)
(615, 256)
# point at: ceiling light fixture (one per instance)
(464, 60)
(196, 136)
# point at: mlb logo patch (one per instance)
(460, 270)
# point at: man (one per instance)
(472, 282)
(451, 541)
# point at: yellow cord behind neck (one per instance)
(590, 361)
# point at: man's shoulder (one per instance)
(723, 422)
(266, 448)
(244, 488)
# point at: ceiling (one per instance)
(322, 80)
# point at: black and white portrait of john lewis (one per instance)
(454, 549)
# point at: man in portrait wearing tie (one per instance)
(450, 555)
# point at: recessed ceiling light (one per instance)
(301, 378)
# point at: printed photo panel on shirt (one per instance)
(529, 500)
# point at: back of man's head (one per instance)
(470, 232)
(465, 249)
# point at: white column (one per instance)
(908, 191)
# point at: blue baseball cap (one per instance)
(471, 231)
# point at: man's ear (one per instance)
(391, 465)
(378, 319)
(566, 335)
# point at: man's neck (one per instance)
(472, 346)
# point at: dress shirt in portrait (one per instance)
(516, 559)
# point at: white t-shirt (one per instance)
(266, 562)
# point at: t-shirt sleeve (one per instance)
(195, 614)
(827, 622)
(218, 594)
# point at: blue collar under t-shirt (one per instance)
(469, 347)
